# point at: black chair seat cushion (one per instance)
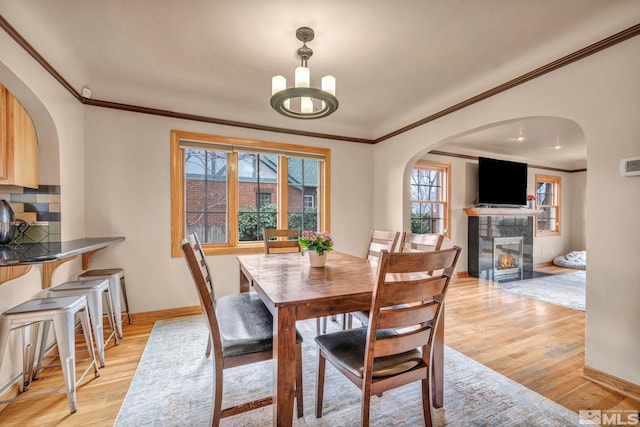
(347, 349)
(245, 323)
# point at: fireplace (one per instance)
(507, 258)
(491, 236)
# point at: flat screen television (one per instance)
(501, 183)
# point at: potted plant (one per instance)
(318, 244)
(531, 198)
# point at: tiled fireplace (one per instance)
(500, 247)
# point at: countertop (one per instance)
(34, 253)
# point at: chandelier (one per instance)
(303, 101)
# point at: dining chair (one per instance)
(279, 240)
(396, 347)
(274, 243)
(378, 240)
(411, 242)
(240, 330)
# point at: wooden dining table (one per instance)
(292, 290)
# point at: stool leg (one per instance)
(5, 329)
(28, 355)
(114, 288)
(95, 313)
(86, 331)
(106, 298)
(64, 325)
(124, 297)
(43, 348)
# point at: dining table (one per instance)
(292, 290)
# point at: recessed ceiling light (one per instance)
(557, 146)
(520, 138)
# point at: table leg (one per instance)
(245, 283)
(437, 370)
(284, 364)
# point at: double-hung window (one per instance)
(548, 189)
(430, 189)
(228, 190)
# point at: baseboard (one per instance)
(171, 313)
(11, 391)
(461, 274)
(612, 383)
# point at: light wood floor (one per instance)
(537, 344)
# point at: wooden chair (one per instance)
(396, 348)
(282, 242)
(420, 242)
(380, 240)
(241, 330)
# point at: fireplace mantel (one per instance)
(501, 211)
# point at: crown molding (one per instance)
(552, 66)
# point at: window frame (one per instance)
(445, 170)
(556, 182)
(234, 246)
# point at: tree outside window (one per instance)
(548, 190)
(430, 210)
(228, 190)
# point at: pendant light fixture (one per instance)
(303, 101)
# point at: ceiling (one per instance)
(395, 62)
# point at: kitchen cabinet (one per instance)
(18, 143)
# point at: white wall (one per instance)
(58, 118)
(128, 194)
(600, 93)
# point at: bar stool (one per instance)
(95, 291)
(117, 287)
(62, 312)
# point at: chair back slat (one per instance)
(283, 240)
(406, 292)
(408, 299)
(420, 242)
(397, 318)
(380, 240)
(401, 343)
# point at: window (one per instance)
(548, 189)
(308, 202)
(227, 190)
(430, 189)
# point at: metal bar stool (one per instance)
(117, 287)
(95, 291)
(62, 312)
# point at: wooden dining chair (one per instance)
(409, 242)
(380, 240)
(396, 347)
(240, 329)
(420, 242)
(279, 240)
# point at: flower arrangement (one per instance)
(318, 241)
(531, 197)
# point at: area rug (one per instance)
(172, 387)
(567, 290)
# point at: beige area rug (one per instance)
(172, 387)
(567, 290)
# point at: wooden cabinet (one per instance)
(18, 143)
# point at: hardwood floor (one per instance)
(537, 344)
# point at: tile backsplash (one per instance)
(39, 207)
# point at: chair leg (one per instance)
(320, 384)
(299, 389)
(318, 326)
(426, 402)
(324, 324)
(64, 331)
(365, 405)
